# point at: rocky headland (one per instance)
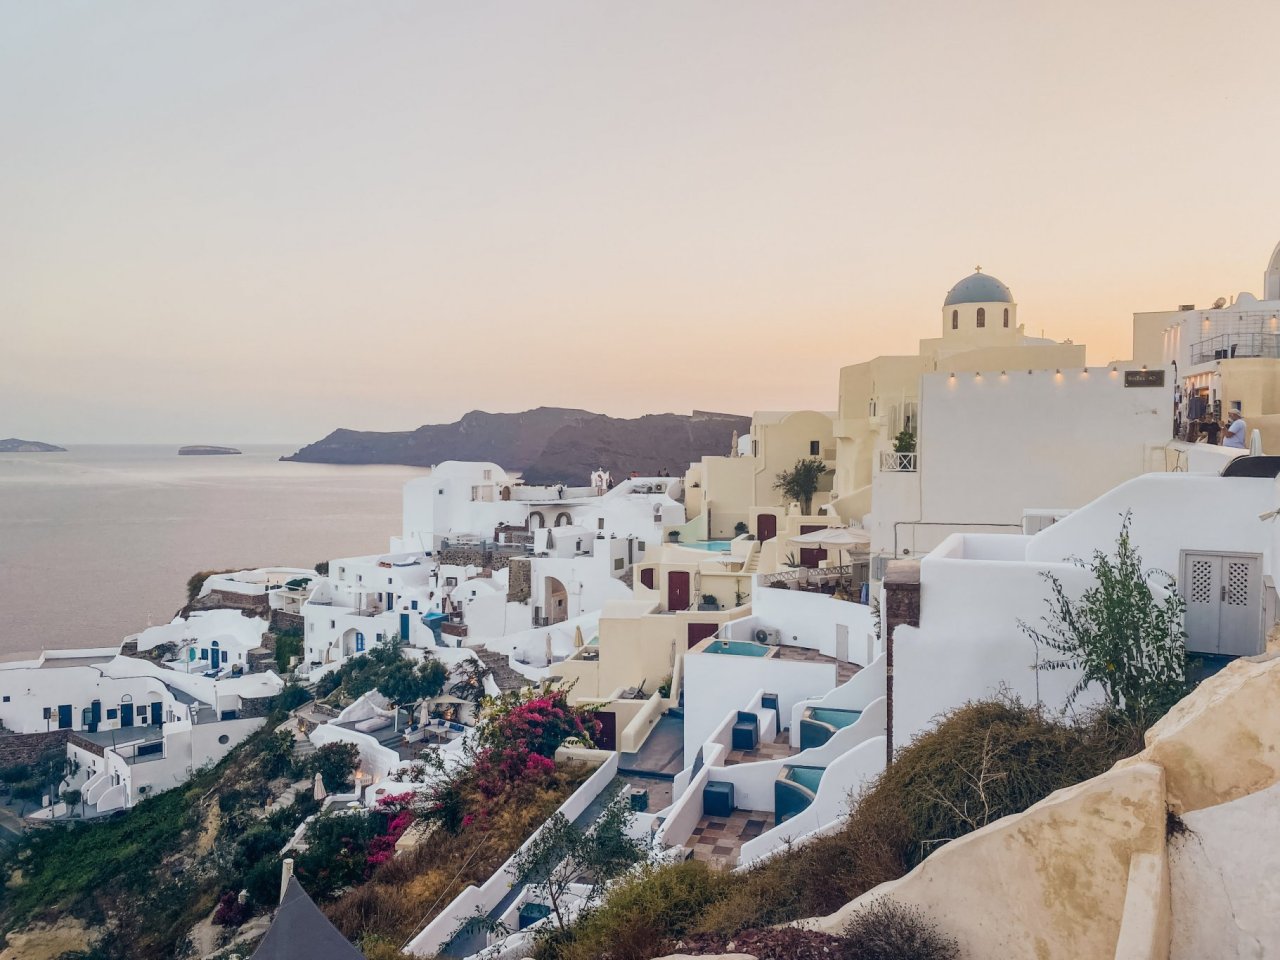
(546, 444)
(14, 445)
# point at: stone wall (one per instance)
(86, 744)
(520, 580)
(254, 707)
(474, 555)
(282, 621)
(18, 748)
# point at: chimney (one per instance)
(286, 871)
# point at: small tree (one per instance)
(406, 685)
(1119, 634)
(904, 442)
(562, 855)
(336, 763)
(800, 483)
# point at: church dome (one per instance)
(978, 288)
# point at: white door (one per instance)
(842, 642)
(1224, 603)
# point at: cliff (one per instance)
(14, 445)
(545, 445)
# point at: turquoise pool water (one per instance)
(837, 718)
(715, 546)
(738, 648)
(807, 777)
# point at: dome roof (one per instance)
(978, 288)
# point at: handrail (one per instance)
(893, 462)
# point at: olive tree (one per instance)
(1120, 633)
(800, 483)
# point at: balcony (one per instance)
(891, 462)
(1235, 346)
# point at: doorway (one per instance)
(678, 590)
(766, 527)
(1223, 592)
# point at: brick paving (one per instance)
(717, 840)
(844, 671)
(779, 749)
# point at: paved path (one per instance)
(662, 754)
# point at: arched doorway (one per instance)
(536, 520)
(563, 520)
(557, 605)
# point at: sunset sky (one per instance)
(244, 222)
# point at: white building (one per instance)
(133, 728)
(213, 642)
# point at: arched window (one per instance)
(1006, 316)
(563, 520)
(955, 319)
(536, 520)
(982, 317)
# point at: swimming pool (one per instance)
(807, 777)
(715, 546)
(819, 724)
(794, 789)
(738, 648)
(837, 718)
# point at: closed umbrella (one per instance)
(1255, 443)
(549, 654)
(577, 636)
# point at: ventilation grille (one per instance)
(1237, 583)
(1201, 581)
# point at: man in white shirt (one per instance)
(1235, 431)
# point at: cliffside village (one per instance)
(753, 659)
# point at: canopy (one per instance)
(835, 538)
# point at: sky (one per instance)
(243, 222)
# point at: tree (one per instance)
(562, 855)
(800, 483)
(336, 762)
(1119, 634)
(407, 685)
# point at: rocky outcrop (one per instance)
(14, 445)
(546, 445)
(200, 450)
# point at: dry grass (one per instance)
(408, 891)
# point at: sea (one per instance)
(97, 543)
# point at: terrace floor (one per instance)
(844, 670)
(717, 840)
(778, 750)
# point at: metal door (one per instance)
(64, 716)
(1224, 603)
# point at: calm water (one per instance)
(98, 542)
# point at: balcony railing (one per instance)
(892, 462)
(1233, 346)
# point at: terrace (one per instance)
(719, 840)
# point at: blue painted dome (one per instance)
(978, 288)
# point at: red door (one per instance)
(809, 556)
(700, 631)
(607, 738)
(678, 590)
(766, 527)
(646, 577)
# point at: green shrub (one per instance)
(288, 645)
(640, 915)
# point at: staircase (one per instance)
(753, 560)
(500, 669)
(303, 748)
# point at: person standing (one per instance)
(1236, 428)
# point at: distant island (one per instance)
(206, 451)
(14, 445)
(546, 445)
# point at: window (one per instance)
(982, 317)
(113, 713)
(617, 563)
(1006, 316)
(488, 474)
(955, 319)
(204, 654)
(815, 447)
(224, 739)
(600, 523)
(6, 698)
(413, 604)
(333, 625)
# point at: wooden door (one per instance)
(766, 527)
(64, 716)
(700, 631)
(811, 556)
(607, 738)
(678, 590)
(126, 714)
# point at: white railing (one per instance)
(892, 462)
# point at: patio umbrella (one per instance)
(577, 636)
(835, 538)
(1255, 443)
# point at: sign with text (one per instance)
(1144, 378)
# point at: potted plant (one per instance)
(904, 442)
(673, 536)
(740, 528)
(709, 602)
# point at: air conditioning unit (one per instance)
(769, 637)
